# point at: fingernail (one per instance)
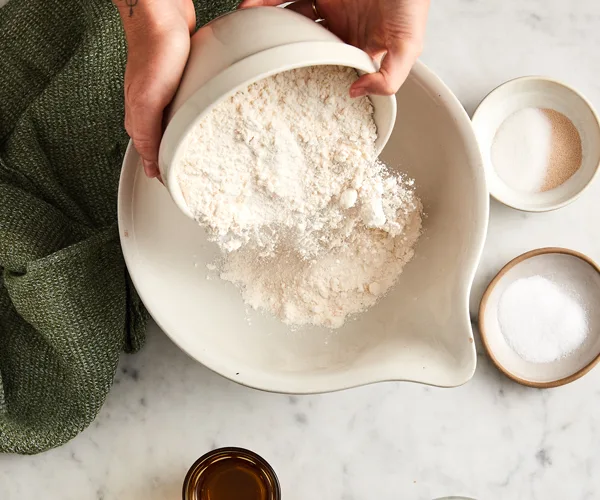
(358, 92)
(150, 168)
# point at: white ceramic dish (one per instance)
(419, 332)
(562, 266)
(243, 47)
(538, 92)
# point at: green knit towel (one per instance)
(67, 307)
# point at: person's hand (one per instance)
(391, 28)
(158, 42)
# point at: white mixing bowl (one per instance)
(419, 332)
(245, 46)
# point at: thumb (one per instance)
(395, 67)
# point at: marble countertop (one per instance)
(490, 439)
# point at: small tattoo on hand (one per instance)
(131, 4)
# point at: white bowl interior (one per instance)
(538, 92)
(255, 68)
(566, 270)
(419, 332)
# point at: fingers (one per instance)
(151, 79)
(399, 34)
(304, 7)
(143, 122)
(395, 67)
(258, 3)
(154, 69)
(158, 43)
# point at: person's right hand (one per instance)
(390, 29)
(158, 42)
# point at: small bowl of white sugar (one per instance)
(540, 142)
(539, 319)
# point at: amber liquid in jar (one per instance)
(231, 474)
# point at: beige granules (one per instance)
(565, 155)
(536, 150)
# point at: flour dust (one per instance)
(284, 177)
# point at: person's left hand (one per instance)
(158, 44)
(390, 29)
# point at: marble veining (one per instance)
(490, 439)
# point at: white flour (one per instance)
(284, 177)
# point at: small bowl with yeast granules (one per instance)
(540, 142)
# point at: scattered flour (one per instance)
(325, 290)
(284, 177)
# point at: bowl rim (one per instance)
(244, 73)
(483, 305)
(540, 78)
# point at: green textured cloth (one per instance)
(67, 307)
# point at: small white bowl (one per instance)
(564, 266)
(245, 46)
(538, 92)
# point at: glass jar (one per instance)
(231, 474)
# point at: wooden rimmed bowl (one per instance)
(564, 267)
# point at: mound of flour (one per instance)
(284, 177)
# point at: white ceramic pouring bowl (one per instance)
(243, 47)
(420, 331)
